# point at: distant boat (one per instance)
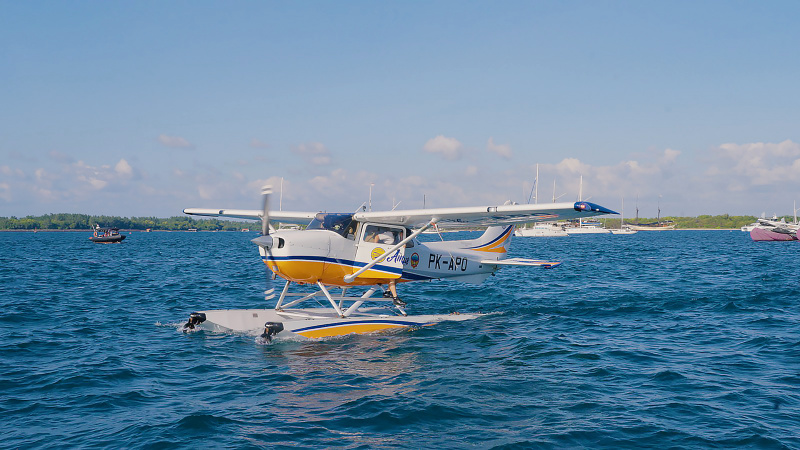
(586, 228)
(654, 226)
(106, 235)
(623, 229)
(773, 230)
(658, 225)
(194, 230)
(245, 230)
(544, 229)
(749, 228)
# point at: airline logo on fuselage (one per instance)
(414, 260)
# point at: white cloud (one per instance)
(8, 171)
(174, 141)
(669, 156)
(757, 163)
(732, 178)
(314, 153)
(40, 174)
(501, 150)
(123, 168)
(447, 148)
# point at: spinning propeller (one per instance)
(265, 240)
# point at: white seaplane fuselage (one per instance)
(327, 257)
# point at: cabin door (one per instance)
(374, 240)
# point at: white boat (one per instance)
(767, 224)
(544, 229)
(623, 229)
(587, 228)
(774, 230)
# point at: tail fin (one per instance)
(495, 241)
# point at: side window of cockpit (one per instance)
(382, 235)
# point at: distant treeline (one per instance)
(84, 221)
(705, 221)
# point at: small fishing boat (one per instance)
(106, 235)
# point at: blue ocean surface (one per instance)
(685, 339)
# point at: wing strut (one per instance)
(351, 277)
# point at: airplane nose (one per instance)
(263, 241)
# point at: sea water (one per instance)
(659, 339)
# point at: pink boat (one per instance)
(779, 234)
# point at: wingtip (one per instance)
(593, 207)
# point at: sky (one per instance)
(146, 108)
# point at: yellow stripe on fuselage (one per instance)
(348, 329)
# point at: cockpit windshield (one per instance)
(343, 224)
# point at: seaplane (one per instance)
(340, 253)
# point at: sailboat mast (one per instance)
(536, 184)
(280, 202)
(658, 217)
(580, 199)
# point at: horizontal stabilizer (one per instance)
(522, 262)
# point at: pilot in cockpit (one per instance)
(382, 236)
(351, 231)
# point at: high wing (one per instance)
(486, 215)
(296, 217)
